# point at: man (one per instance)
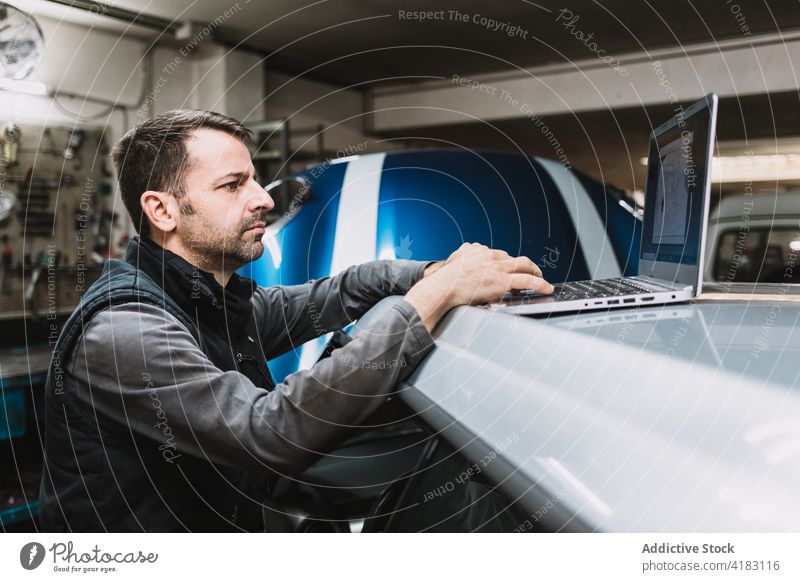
(161, 414)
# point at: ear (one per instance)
(160, 209)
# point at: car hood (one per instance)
(671, 418)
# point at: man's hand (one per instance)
(473, 275)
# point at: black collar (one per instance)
(191, 286)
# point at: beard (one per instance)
(220, 247)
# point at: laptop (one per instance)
(678, 190)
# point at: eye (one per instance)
(231, 186)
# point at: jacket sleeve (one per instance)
(291, 315)
(139, 367)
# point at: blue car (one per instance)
(423, 204)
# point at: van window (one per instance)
(760, 255)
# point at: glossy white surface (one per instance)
(674, 418)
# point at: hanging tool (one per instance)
(12, 136)
(74, 143)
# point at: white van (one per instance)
(753, 238)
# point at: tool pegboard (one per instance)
(57, 225)
(56, 194)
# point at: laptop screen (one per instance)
(676, 205)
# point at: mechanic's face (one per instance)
(223, 209)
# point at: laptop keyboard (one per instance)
(572, 290)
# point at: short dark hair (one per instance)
(153, 155)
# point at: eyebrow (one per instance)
(239, 176)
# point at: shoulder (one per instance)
(130, 324)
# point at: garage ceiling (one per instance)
(366, 43)
(350, 42)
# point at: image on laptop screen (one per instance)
(674, 198)
(672, 194)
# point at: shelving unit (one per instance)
(22, 377)
(274, 158)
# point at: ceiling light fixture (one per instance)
(24, 86)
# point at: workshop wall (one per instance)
(86, 64)
(308, 104)
(57, 219)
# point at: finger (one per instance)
(499, 254)
(523, 265)
(520, 281)
(536, 270)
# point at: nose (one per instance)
(260, 198)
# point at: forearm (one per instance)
(291, 315)
(432, 267)
(431, 306)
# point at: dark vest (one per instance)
(97, 474)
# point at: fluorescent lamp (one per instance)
(753, 168)
(23, 86)
(756, 168)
